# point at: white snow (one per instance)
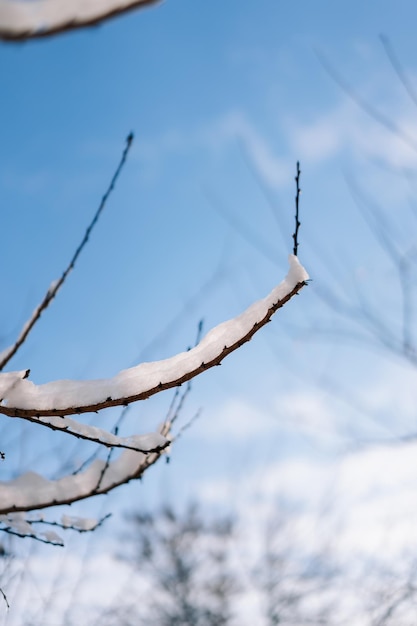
(81, 523)
(8, 380)
(20, 18)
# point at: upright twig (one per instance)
(56, 285)
(175, 407)
(297, 201)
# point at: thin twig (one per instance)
(171, 409)
(297, 200)
(180, 404)
(187, 425)
(199, 332)
(384, 234)
(5, 598)
(396, 64)
(363, 104)
(10, 531)
(114, 431)
(99, 523)
(60, 426)
(105, 468)
(175, 409)
(54, 288)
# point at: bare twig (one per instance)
(102, 437)
(54, 288)
(115, 431)
(363, 104)
(78, 529)
(297, 200)
(199, 332)
(179, 407)
(5, 598)
(15, 533)
(175, 411)
(398, 68)
(402, 262)
(187, 425)
(105, 468)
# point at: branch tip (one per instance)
(297, 200)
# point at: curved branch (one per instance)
(22, 398)
(31, 492)
(20, 20)
(151, 442)
(16, 524)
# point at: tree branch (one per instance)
(139, 443)
(21, 398)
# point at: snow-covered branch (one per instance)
(151, 442)
(21, 526)
(30, 491)
(22, 398)
(20, 20)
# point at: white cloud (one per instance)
(235, 126)
(364, 502)
(214, 137)
(348, 127)
(236, 419)
(42, 585)
(306, 414)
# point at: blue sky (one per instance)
(222, 103)
(223, 99)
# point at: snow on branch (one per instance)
(56, 285)
(19, 397)
(21, 526)
(151, 442)
(30, 491)
(20, 19)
